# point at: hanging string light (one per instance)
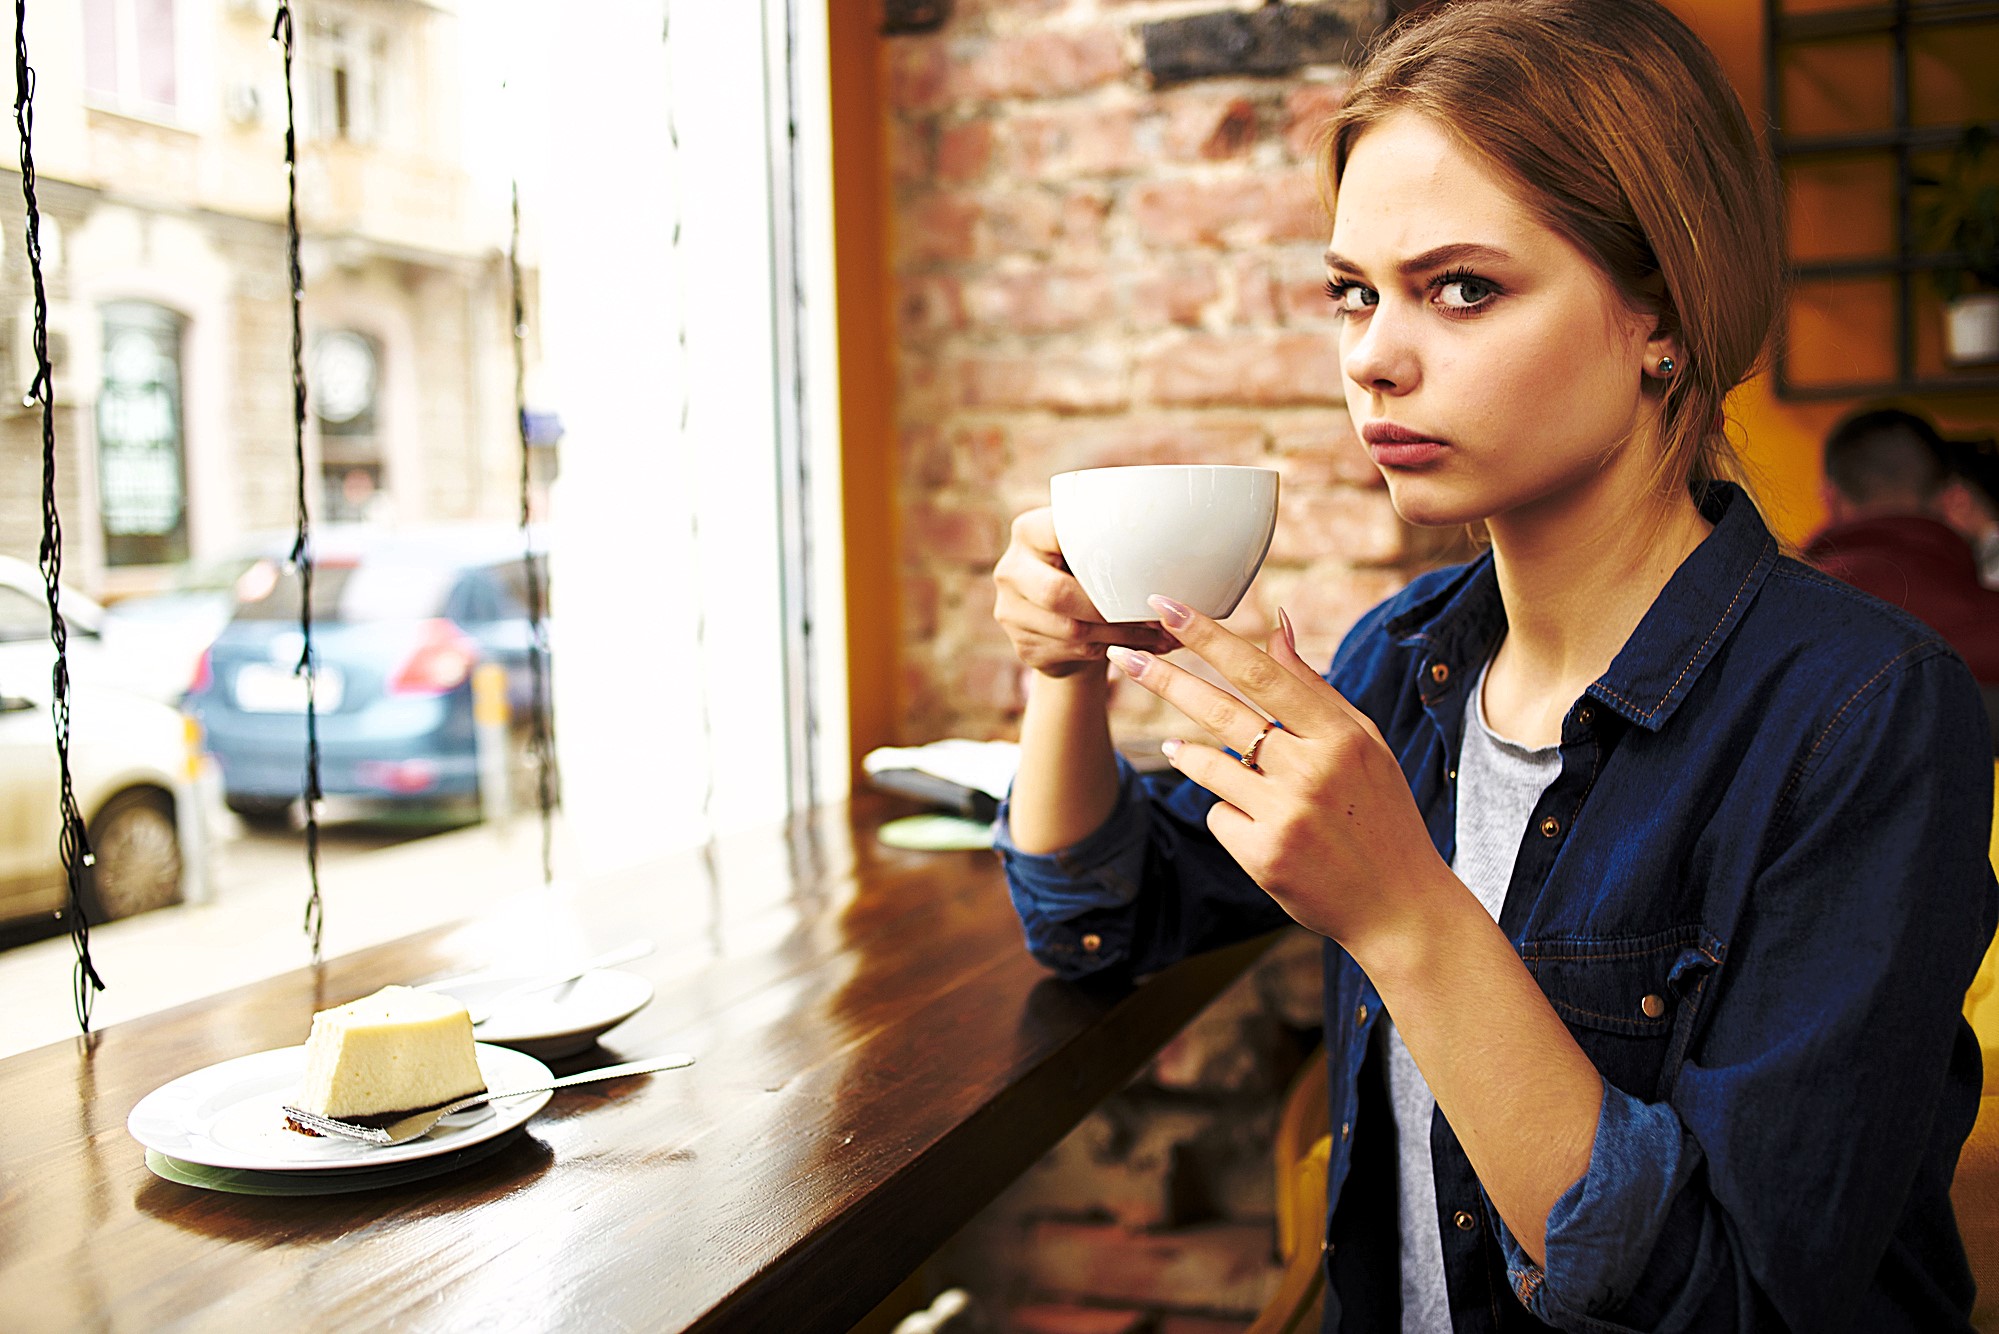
(301, 555)
(541, 727)
(74, 838)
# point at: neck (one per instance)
(1577, 575)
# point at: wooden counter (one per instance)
(878, 1058)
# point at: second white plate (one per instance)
(558, 1022)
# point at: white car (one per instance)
(129, 770)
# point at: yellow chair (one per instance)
(1974, 1191)
(1301, 1151)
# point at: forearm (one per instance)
(1519, 1092)
(1068, 779)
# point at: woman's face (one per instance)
(1491, 370)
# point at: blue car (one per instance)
(401, 619)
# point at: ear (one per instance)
(1662, 348)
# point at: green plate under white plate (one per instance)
(936, 833)
(343, 1181)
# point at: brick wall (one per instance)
(1090, 270)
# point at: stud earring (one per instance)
(1665, 367)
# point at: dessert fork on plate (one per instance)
(418, 1123)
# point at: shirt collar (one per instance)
(1457, 625)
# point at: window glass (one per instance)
(141, 476)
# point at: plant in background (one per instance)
(1959, 217)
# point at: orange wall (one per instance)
(1783, 439)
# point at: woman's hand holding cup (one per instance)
(1054, 627)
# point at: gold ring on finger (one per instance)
(1248, 756)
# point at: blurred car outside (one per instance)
(24, 624)
(131, 770)
(153, 641)
(401, 621)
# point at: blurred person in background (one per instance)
(1902, 526)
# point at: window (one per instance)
(141, 473)
(344, 60)
(129, 54)
(343, 382)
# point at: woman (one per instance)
(1655, 858)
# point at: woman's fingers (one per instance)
(1305, 707)
(1223, 716)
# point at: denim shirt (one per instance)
(1755, 893)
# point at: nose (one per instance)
(1379, 353)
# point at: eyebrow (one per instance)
(1457, 253)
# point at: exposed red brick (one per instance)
(911, 160)
(1256, 292)
(1179, 294)
(1307, 109)
(1217, 1051)
(1021, 222)
(1232, 209)
(1057, 1318)
(1320, 448)
(918, 71)
(979, 457)
(1042, 449)
(1093, 380)
(1301, 296)
(964, 151)
(930, 302)
(1083, 231)
(1324, 603)
(925, 458)
(1220, 1267)
(943, 531)
(1357, 527)
(1245, 368)
(1233, 133)
(1039, 64)
(919, 606)
(1071, 141)
(1186, 121)
(1037, 300)
(937, 226)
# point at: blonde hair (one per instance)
(1625, 137)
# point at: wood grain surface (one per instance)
(877, 1058)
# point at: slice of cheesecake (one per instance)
(385, 1056)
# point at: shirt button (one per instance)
(1653, 1006)
(1440, 672)
(1360, 1016)
(1464, 1220)
(1093, 942)
(1344, 1128)
(1550, 827)
(1585, 715)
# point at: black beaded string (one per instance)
(541, 723)
(74, 840)
(301, 557)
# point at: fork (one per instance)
(409, 1127)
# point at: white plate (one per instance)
(558, 1022)
(231, 1115)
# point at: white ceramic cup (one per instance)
(1196, 532)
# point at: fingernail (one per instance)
(1170, 747)
(1130, 661)
(1170, 611)
(1290, 635)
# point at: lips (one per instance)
(1395, 446)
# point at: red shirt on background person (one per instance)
(1888, 492)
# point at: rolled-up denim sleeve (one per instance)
(1833, 1077)
(1094, 879)
(1145, 889)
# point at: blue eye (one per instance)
(1351, 298)
(1471, 292)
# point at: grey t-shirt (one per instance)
(1499, 782)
